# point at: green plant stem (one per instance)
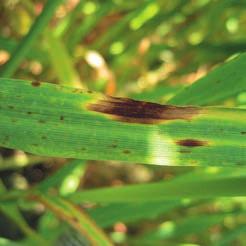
(24, 46)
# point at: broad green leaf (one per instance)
(57, 121)
(223, 82)
(24, 46)
(208, 183)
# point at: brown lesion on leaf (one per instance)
(126, 151)
(243, 133)
(184, 151)
(36, 83)
(41, 121)
(113, 146)
(192, 143)
(6, 139)
(133, 111)
(61, 117)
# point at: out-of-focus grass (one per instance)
(150, 50)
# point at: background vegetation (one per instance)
(147, 50)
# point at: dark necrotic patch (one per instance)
(192, 143)
(61, 117)
(132, 111)
(243, 133)
(36, 83)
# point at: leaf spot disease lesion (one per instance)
(192, 143)
(133, 111)
(41, 121)
(61, 117)
(126, 151)
(36, 83)
(243, 133)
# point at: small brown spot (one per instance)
(126, 151)
(41, 121)
(191, 143)
(36, 145)
(14, 120)
(61, 117)
(29, 112)
(132, 111)
(11, 107)
(77, 90)
(183, 151)
(6, 139)
(44, 137)
(113, 146)
(36, 83)
(243, 133)
(90, 92)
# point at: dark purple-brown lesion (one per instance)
(192, 143)
(133, 111)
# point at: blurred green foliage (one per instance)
(148, 50)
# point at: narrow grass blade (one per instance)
(108, 215)
(208, 183)
(24, 46)
(62, 62)
(223, 82)
(58, 178)
(75, 217)
(228, 237)
(89, 23)
(190, 225)
(10, 210)
(10, 45)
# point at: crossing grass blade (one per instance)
(202, 184)
(224, 82)
(57, 121)
(190, 225)
(110, 214)
(75, 217)
(62, 62)
(24, 46)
